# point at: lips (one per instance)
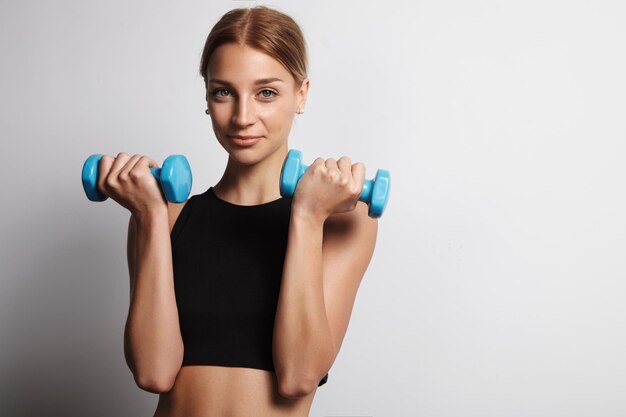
(243, 137)
(245, 140)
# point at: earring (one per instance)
(207, 111)
(300, 111)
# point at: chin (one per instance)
(246, 156)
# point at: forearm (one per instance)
(153, 344)
(303, 346)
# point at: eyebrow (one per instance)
(259, 81)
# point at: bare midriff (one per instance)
(220, 391)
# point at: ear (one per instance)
(302, 93)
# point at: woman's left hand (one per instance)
(328, 187)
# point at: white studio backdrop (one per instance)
(498, 284)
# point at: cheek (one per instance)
(220, 117)
(276, 117)
(219, 122)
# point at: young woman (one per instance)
(240, 299)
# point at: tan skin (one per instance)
(330, 244)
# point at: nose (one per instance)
(244, 112)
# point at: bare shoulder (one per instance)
(173, 211)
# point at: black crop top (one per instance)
(228, 262)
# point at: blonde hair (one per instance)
(264, 29)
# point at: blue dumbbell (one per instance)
(174, 177)
(375, 192)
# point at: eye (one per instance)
(217, 90)
(264, 93)
(269, 91)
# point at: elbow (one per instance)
(155, 379)
(296, 388)
(297, 382)
(153, 384)
(157, 382)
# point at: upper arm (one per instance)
(348, 246)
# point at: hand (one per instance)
(129, 181)
(329, 187)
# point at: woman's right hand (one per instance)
(129, 181)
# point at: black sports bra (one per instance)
(228, 261)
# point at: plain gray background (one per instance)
(498, 284)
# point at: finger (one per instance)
(118, 164)
(331, 164)
(146, 160)
(345, 165)
(143, 166)
(104, 167)
(112, 181)
(358, 173)
(151, 162)
(317, 164)
(128, 167)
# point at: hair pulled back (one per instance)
(264, 29)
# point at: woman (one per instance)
(240, 299)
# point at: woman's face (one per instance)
(250, 93)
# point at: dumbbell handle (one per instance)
(174, 177)
(374, 193)
(366, 192)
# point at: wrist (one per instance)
(151, 217)
(308, 218)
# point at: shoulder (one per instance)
(173, 211)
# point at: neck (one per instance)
(252, 184)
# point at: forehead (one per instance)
(243, 65)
